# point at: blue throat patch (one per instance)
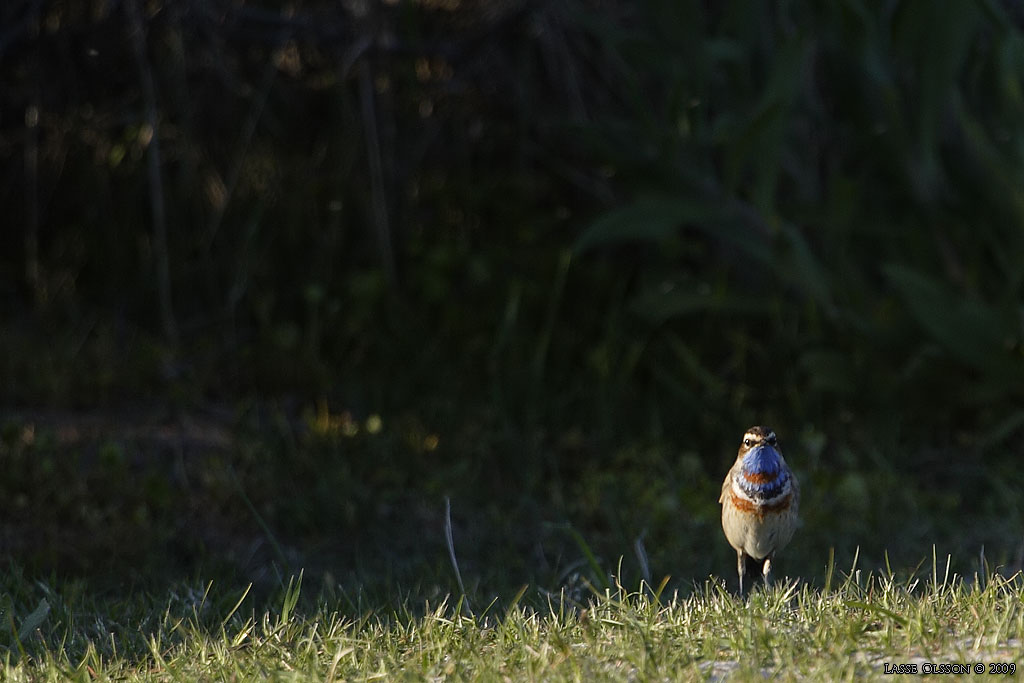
(764, 465)
(763, 460)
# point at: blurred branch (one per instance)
(32, 112)
(155, 173)
(259, 103)
(378, 196)
(32, 199)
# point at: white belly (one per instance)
(758, 536)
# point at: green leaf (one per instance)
(690, 360)
(35, 619)
(829, 371)
(650, 219)
(970, 330)
(657, 306)
(801, 267)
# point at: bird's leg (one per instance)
(741, 566)
(767, 570)
(751, 568)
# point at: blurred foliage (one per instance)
(558, 254)
(836, 196)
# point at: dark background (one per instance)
(278, 279)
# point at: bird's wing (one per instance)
(726, 485)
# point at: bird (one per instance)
(760, 503)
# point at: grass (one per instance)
(374, 592)
(850, 627)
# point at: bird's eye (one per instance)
(747, 442)
(771, 440)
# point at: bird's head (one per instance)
(760, 454)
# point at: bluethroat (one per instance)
(760, 498)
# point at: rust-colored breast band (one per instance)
(744, 505)
(760, 477)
